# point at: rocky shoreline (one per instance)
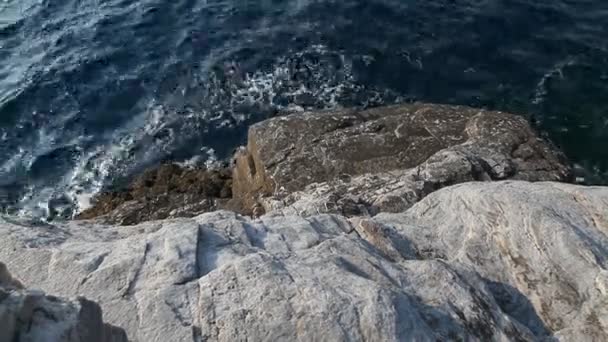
(411, 222)
(163, 192)
(351, 162)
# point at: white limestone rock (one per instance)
(30, 315)
(479, 261)
(545, 243)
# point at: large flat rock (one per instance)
(475, 262)
(385, 159)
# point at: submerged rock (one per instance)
(474, 262)
(361, 162)
(30, 315)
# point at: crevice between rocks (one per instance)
(131, 286)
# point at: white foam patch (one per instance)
(541, 91)
(96, 168)
(279, 88)
(206, 158)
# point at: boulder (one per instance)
(362, 162)
(479, 261)
(350, 162)
(30, 315)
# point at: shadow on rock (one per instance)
(516, 305)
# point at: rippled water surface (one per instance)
(95, 90)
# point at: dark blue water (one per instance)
(94, 90)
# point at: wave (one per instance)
(541, 91)
(225, 103)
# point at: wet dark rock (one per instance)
(164, 192)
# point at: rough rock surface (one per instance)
(547, 242)
(479, 261)
(355, 162)
(30, 315)
(349, 162)
(167, 191)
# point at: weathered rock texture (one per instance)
(167, 191)
(349, 162)
(27, 315)
(547, 242)
(357, 162)
(479, 261)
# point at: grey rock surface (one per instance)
(355, 162)
(30, 315)
(475, 262)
